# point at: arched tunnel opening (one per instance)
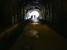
(33, 15)
(33, 25)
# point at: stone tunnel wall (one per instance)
(56, 17)
(7, 10)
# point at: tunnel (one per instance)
(33, 25)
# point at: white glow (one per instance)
(36, 13)
(33, 15)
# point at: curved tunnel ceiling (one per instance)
(32, 2)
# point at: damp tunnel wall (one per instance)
(10, 13)
(56, 15)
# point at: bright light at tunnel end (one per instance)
(33, 15)
(36, 13)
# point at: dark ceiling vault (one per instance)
(33, 2)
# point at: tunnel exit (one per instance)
(33, 15)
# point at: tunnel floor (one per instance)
(39, 37)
